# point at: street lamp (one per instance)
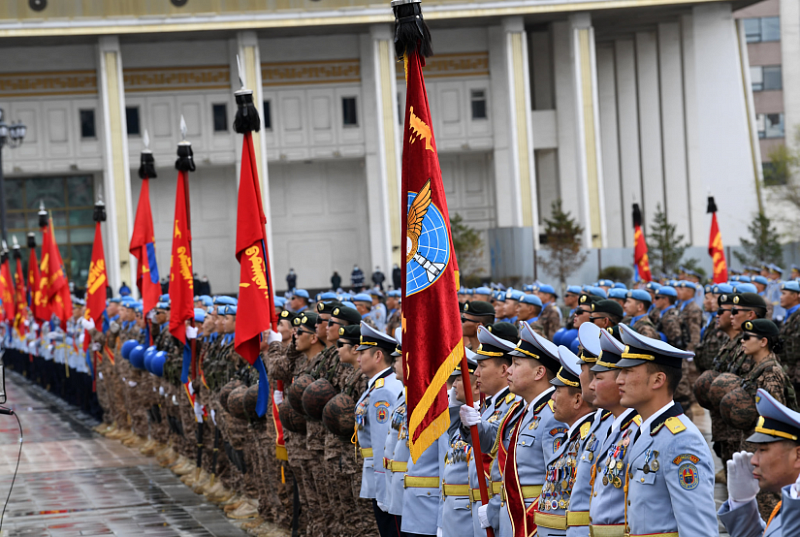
(11, 136)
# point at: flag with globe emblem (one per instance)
(432, 339)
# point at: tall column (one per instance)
(246, 47)
(116, 168)
(724, 151)
(516, 196)
(589, 159)
(382, 146)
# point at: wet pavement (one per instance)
(74, 482)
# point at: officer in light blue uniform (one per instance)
(670, 470)
(538, 430)
(779, 427)
(607, 497)
(393, 449)
(456, 515)
(497, 341)
(373, 416)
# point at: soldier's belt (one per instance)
(610, 530)
(387, 463)
(398, 466)
(496, 488)
(547, 520)
(455, 490)
(529, 492)
(366, 452)
(280, 453)
(670, 534)
(410, 481)
(578, 518)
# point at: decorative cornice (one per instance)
(48, 84)
(211, 77)
(462, 64)
(311, 72)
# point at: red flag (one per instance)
(53, 277)
(640, 246)
(21, 293)
(98, 280)
(35, 300)
(143, 247)
(429, 291)
(7, 290)
(255, 292)
(715, 249)
(181, 280)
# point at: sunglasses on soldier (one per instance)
(301, 331)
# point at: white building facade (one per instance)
(601, 104)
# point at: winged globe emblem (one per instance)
(423, 217)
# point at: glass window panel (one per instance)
(478, 99)
(774, 127)
(47, 189)
(761, 125)
(81, 217)
(81, 234)
(87, 124)
(80, 190)
(16, 220)
(770, 29)
(757, 78)
(132, 120)
(349, 113)
(752, 30)
(220, 113)
(80, 258)
(772, 78)
(267, 116)
(14, 190)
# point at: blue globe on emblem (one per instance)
(432, 252)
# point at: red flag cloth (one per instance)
(143, 248)
(37, 303)
(640, 246)
(181, 280)
(430, 301)
(255, 292)
(7, 292)
(21, 298)
(52, 267)
(98, 280)
(716, 252)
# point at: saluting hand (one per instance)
(742, 486)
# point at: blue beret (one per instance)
(280, 302)
(115, 300)
(531, 299)
(574, 289)
(666, 291)
(162, 306)
(227, 310)
(513, 294)
(164, 298)
(619, 293)
(223, 300)
(547, 289)
(462, 291)
(527, 288)
(722, 288)
(596, 291)
(652, 286)
(363, 297)
(640, 294)
(302, 293)
(745, 279)
(138, 308)
(500, 296)
(744, 288)
(348, 304)
(328, 295)
(199, 315)
(760, 279)
(791, 286)
(127, 301)
(605, 283)
(394, 293)
(469, 292)
(687, 284)
(485, 291)
(620, 285)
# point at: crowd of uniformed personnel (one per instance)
(584, 414)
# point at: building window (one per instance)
(220, 113)
(70, 202)
(267, 116)
(132, 119)
(349, 113)
(87, 124)
(766, 78)
(478, 101)
(762, 30)
(773, 175)
(770, 125)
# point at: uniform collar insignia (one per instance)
(672, 412)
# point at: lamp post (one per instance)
(11, 136)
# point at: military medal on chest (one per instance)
(612, 473)
(560, 477)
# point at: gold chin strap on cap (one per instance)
(606, 364)
(488, 353)
(367, 342)
(628, 354)
(527, 353)
(772, 432)
(566, 381)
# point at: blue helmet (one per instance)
(127, 347)
(137, 357)
(157, 363)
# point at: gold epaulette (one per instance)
(585, 429)
(637, 419)
(675, 425)
(510, 397)
(551, 405)
(379, 383)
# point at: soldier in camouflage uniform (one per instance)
(636, 306)
(691, 319)
(571, 297)
(550, 317)
(712, 337)
(528, 311)
(476, 313)
(790, 330)
(760, 340)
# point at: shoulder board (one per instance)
(550, 404)
(585, 429)
(379, 383)
(674, 425)
(637, 419)
(510, 397)
(605, 416)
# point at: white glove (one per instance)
(274, 337)
(742, 486)
(439, 532)
(151, 315)
(795, 490)
(214, 417)
(113, 327)
(87, 324)
(277, 397)
(100, 375)
(95, 347)
(191, 332)
(35, 327)
(469, 416)
(452, 397)
(26, 322)
(132, 383)
(483, 517)
(383, 508)
(160, 390)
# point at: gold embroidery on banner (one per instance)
(311, 72)
(451, 65)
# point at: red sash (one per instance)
(501, 432)
(522, 519)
